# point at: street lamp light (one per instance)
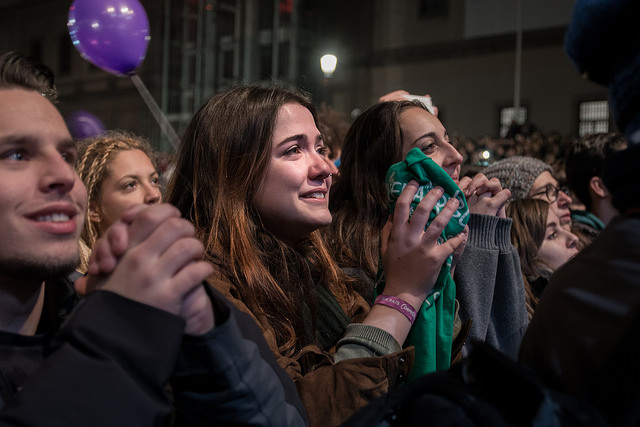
(328, 64)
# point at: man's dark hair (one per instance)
(622, 179)
(17, 69)
(586, 158)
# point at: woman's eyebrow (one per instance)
(290, 138)
(297, 137)
(426, 135)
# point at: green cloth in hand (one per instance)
(432, 332)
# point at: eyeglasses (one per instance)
(551, 192)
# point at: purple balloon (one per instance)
(111, 34)
(83, 124)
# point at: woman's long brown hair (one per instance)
(219, 165)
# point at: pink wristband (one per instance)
(398, 304)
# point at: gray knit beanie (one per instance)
(517, 173)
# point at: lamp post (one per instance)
(518, 67)
(328, 65)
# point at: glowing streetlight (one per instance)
(328, 64)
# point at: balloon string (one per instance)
(162, 120)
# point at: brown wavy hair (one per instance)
(219, 165)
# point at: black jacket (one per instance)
(111, 360)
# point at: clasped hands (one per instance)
(151, 256)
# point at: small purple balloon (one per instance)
(111, 34)
(83, 124)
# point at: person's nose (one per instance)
(564, 200)
(152, 195)
(453, 157)
(572, 240)
(319, 168)
(57, 174)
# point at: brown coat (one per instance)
(331, 392)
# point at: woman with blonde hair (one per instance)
(118, 170)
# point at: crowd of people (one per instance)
(290, 269)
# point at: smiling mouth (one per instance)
(318, 195)
(56, 217)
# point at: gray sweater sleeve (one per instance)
(489, 285)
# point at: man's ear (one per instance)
(597, 186)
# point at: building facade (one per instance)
(484, 62)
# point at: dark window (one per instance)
(227, 64)
(36, 50)
(433, 9)
(265, 16)
(286, 7)
(265, 62)
(64, 55)
(283, 64)
(225, 22)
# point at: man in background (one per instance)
(585, 161)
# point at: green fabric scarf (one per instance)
(432, 332)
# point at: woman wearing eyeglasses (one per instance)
(546, 188)
(531, 177)
(542, 243)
